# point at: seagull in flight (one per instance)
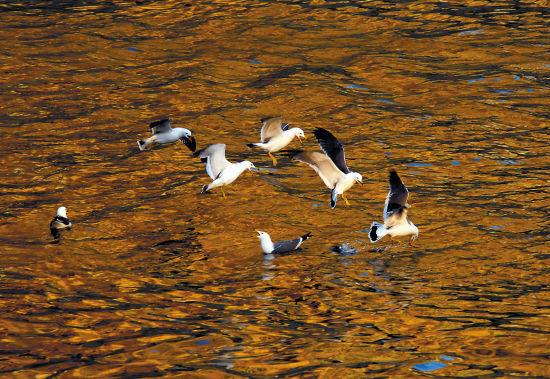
(164, 133)
(396, 222)
(331, 166)
(269, 247)
(220, 169)
(276, 135)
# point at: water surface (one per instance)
(158, 280)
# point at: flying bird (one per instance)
(396, 222)
(281, 246)
(276, 135)
(59, 223)
(164, 133)
(331, 166)
(220, 169)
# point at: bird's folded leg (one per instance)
(345, 200)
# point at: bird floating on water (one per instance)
(331, 166)
(396, 223)
(164, 133)
(269, 247)
(275, 135)
(59, 223)
(220, 169)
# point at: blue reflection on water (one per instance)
(418, 164)
(475, 31)
(476, 80)
(430, 366)
(355, 86)
(255, 61)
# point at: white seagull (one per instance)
(220, 169)
(396, 222)
(281, 246)
(59, 223)
(164, 133)
(331, 166)
(276, 135)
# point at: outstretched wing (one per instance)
(396, 201)
(323, 165)
(272, 127)
(161, 126)
(214, 156)
(332, 148)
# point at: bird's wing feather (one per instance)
(215, 159)
(398, 216)
(161, 126)
(271, 128)
(332, 148)
(282, 246)
(397, 195)
(323, 165)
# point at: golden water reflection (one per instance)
(158, 280)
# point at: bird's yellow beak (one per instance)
(300, 138)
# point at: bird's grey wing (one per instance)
(271, 128)
(323, 165)
(397, 195)
(214, 155)
(161, 126)
(333, 148)
(283, 246)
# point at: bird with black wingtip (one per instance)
(60, 223)
(164, 133)
(396, 222)
(331, 166)
(219, 168)
(270, 247)
(275, 135)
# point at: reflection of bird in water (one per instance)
(275, 135)
(59, 223)
(396, 223)
(164, 133)
(220, 169)
(281, 246)
(330, 166)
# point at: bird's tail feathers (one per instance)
(377, 231)
(252, 145)
(204, 189)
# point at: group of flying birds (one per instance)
(276, 135)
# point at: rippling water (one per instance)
(158, 280)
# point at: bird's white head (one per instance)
(248, 165)
(182, 132)
(263, 235)
(299, 133)
(62, 212)
(357, 177)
